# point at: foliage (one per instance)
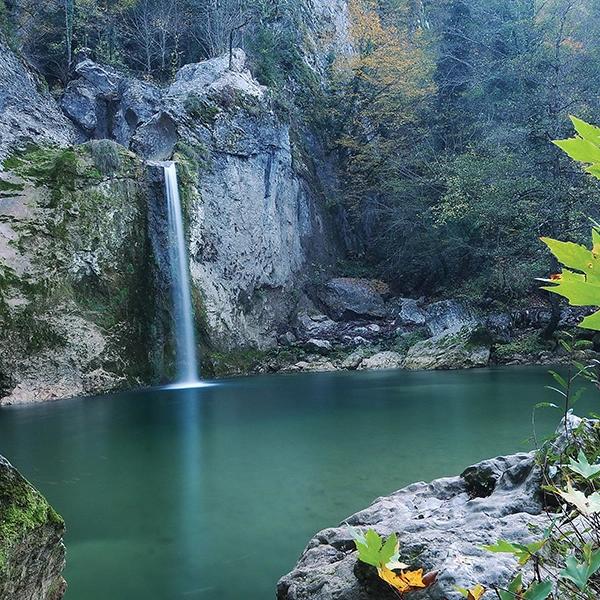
(527, 344)
(448, 175)
(579, 280)
(384, 555)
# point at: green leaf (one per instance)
(538, 591)
(570, 254)
(580, 572)
(523, 552)
(369, 547)
(585, 130)
(559, 379)
(372, 550)
(580, 150)
(593, 170)
(583, 467)
(514, 588)
(591, 322)
(578, 293)
(546, 405)
(388, 550)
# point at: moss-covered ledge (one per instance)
(32, 553)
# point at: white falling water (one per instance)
(183, 326)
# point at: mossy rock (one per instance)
(32, 554)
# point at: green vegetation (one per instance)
(106, 156)
(528, 344)
(22, 510)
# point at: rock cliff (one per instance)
(28, 114)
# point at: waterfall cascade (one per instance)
(183, 315)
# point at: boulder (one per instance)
(319, 365)
(410, 313)
(316, 345)
(382, 360)
(211, 77)
(450, 349)
(441, 526)
(32, 553)
(313, 325)
(347, 298)
(448, 315)
(354, 359)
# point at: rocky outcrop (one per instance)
(28, 114)
(254, 224)
(451, 349)
(345, 298)
(32, 554)
(440, 525)
(72, 273)
(381, 360)
(448, 315)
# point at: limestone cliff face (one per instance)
(72, 272)
(80, 224)
(254, 224)
(28, 114)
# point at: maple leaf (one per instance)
(583, 467)
(407, 581)
(586, 505)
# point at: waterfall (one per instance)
(183, 315)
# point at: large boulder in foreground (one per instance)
(32, 554)
(441, 526)
(348, 298)
(451, 349)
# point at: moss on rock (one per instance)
(32, 553)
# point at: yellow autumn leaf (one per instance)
(476, 592)
(414, 578)
(395, 580)
(407, 581)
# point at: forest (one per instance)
(440, 120)
(299, 299)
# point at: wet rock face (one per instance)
(79, 337)
(27, 113)
(448, 315)
(444, 523)
(32, 553)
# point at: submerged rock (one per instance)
(32, 553)
(441, 526)
(451, 349)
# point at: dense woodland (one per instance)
(440, 120)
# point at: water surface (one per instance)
(212, 493)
